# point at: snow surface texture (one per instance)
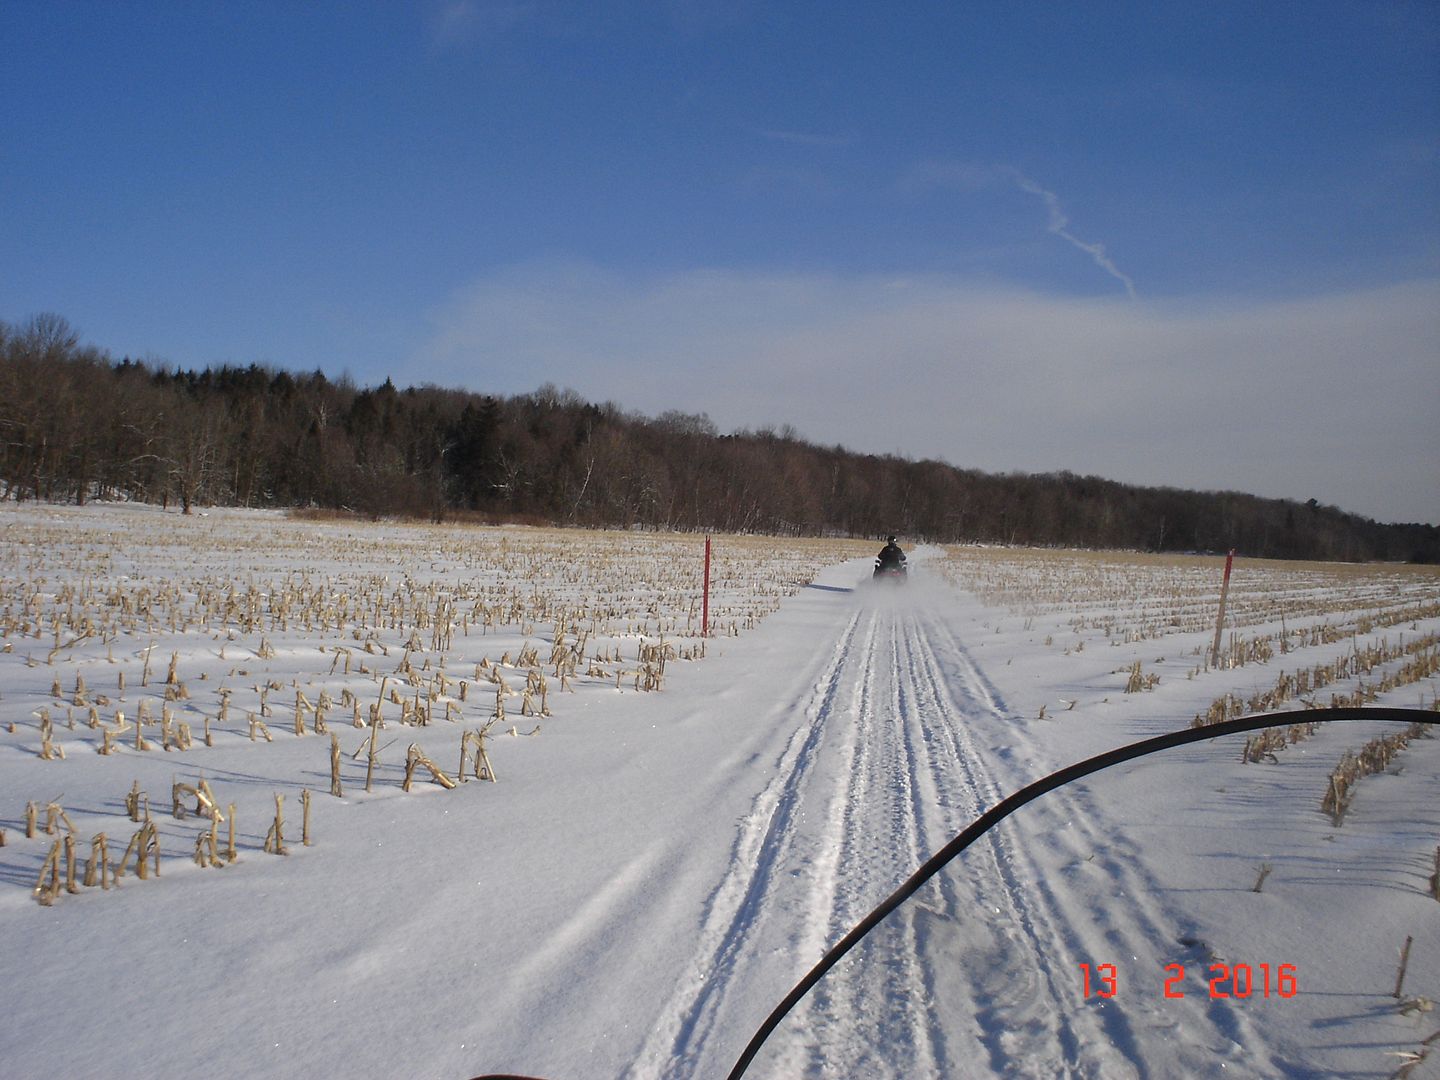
(653, 871)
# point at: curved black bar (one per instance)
(1003, 809)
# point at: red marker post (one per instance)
(705, 603)
(1220, 619)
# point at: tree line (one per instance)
(76, 425)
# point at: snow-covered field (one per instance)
(652, 869)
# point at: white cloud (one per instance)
(1329, 398)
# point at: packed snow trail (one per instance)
(891, 749)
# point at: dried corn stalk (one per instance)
(97, 867)
(145, 845)
(47, 885)
(275, 837)
(414, 758)
(335, 787)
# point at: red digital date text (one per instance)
(1224, 981)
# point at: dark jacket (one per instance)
(891, 555)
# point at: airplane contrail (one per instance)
(1060, 226)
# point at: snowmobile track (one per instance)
(766, 834)
(1068, 930)
(892, 756)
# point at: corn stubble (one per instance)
(1345, 635)
(591, 610)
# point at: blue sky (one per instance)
(1191, 246)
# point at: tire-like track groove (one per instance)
(1074, 929)
(737, 902)
(1038, 1034)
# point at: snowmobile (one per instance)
(890, 564)
(889, 573)
(907, 959)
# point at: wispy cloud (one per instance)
(970, 177)
(988, 377)
(1060, 226)
(457, 24)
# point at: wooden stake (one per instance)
(1265, 869)
(1404, 962)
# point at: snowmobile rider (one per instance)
(890, 557)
